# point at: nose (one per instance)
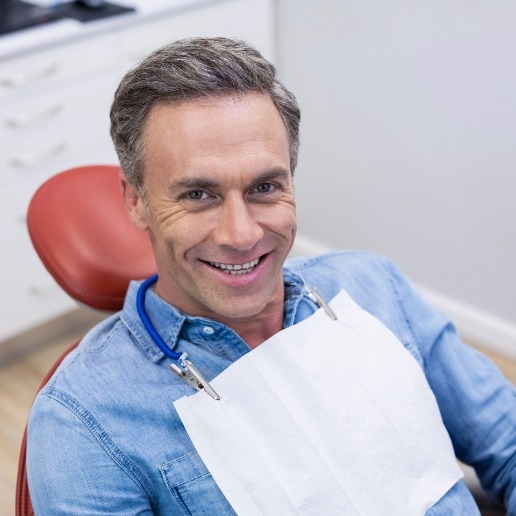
(237, 227)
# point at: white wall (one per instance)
(409, 141)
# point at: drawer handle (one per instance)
(31, 159)
(17, 80)
(27, 120)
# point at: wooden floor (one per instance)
(24, 362)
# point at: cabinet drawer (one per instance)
(58, 110)
(78, 137)
(41, 69)
(31, 296)
(53, 152)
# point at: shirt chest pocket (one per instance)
(192, 487)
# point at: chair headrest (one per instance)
(81, 231)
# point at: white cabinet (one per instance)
(43, 130)
(54, 114)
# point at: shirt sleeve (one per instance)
(477, 403)
(95, 478)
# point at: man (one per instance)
(207, 138)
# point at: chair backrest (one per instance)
(80, 229)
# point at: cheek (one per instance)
(186, 232)
(281, 219)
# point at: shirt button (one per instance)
(208, 330)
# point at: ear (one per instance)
(134, 205)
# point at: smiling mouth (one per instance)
(236, 269)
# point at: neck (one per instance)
(259, 328)
(253, 329)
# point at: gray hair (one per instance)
(187, 70)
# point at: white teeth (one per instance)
(236, 269)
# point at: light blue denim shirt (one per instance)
(104, 437)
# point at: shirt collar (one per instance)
(170, 321)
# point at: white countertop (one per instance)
(36, 38)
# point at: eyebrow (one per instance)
(275, 173)
(193, 183)
(206, 182)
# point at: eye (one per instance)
(199, 199)
(195, 195)
(264, 188)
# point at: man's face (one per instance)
(220, 204)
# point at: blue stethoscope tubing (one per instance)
(144, 316)
(313, 294)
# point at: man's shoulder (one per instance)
(102, 346)
(106, 376)
(367, 277)
(343, 263)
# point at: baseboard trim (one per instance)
(483, 328)
(478, 326)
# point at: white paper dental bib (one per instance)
(325, 418)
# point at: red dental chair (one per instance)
(80, 229)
